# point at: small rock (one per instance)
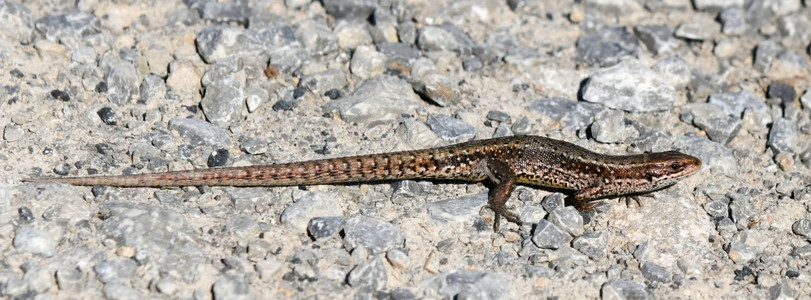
(316, 37)
(568, 219)
(802, 227)
(459, 209)
(699, 29)
(548, 236)
(450, 129)
(107, 115)
(231, 287)
(444, 38)
(592, 244)
(368, 276)
(310, 206)
(200, 132)
(630, 87)
(35, 241)
(379, 98)
(375, 235)
(675, 70)
(398, 258)
(658, 39)
(782, 136)
(784, 92)
(654, 272)
(13, 133)
(623, 289)
(462, 284)
(606, 47)
(610, 127)
(572, 114)
(324, 227)
(733, 21)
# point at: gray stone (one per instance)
(121, 291)
(742, 211)
(122, 79)
(783, 290)
(223, 12)
(803, 252)
(733, 21)
(784, 92)
(116, 271)
(13, 133)
(765, 54)
(316, 37)
(606, 47)
(39, 280)
(568, 219)
(231, 287)
(444, 38)
(630, 87)
(549, 236)
(350, 9)
(782, 136)
(152, 89)
(375, 235)
(717, 208)
(461, 284)
(216, 43)
(310, 206)
(367, 62)
(76, 25)
(802, 227)
(592, 244)
(368, 276)
(658, 39)
(553, 201)
(572, 114)
(17, 22)
(379, 98)
(440, 89)
(675, 70)
(698, 29)
(352, 34)
(623, 289)
(323, 81)
(200, 132)
(711, 118)
(249, 199)
(254, 146)
(747, 245)
(734, 104)
(655, 272)
(610, 127)
(399, 53)
(716, 5)
(324, 227)
(34, 241)
(450, 129)
(538, 271)
(459, 209)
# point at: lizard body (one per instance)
(507, 161)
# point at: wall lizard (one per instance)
(505, 162)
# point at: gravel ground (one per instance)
(124, 87)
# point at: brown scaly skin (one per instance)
(507, 161)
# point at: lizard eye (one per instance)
(675, 166)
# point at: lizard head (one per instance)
(665, 168)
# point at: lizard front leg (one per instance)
(504, 179)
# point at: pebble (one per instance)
(568, 219)
(368, 276)
(711, 118)
(606, 47)
(310, 206)
(573, 115)
(549, 236)
(630, 87)
(655, 272)
(459, 209)
(231, 287)
(367, 62)
(658, 39)
(200, 132)
(444, 38)
(379, 98)
(610, 127)
(699, 29)
(372, 234)
(122, 79)
(324, 227)
(463, 284)
(217, 43)
(35, 241)
(74, 25)
(13, 133)
(782, 136)
(675, 70)
(623, 289)
(316, 37)
(450, 129)
(733, 21)
(592, 244)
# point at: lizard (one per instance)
(505, 162)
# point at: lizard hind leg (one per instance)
(504, 179)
